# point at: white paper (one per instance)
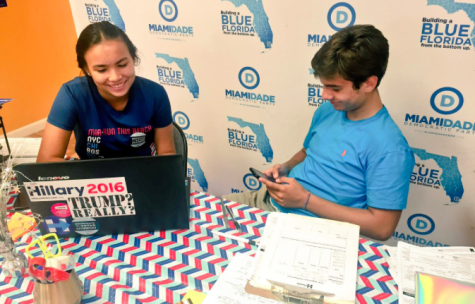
(393, 263)
(256, 276)
(469, 255)
(21, 147)
(315, 254)
(229, 289)
(392, 253)
(435, 262)
(463, 250)
(269, 229)
(392, 260)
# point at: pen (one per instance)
(236, 224)
(236, 238)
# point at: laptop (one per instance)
(107, 196)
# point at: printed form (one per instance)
(392, 260)
(230, 286)
(440, 263)
(313, 255)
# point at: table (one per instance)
(161, 266)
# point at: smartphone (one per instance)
(258, 174)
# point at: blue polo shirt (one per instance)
(359, 164)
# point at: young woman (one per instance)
(113, 112)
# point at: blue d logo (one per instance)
(420, 224)
(251, 182)
(169, 9)
(249, 78)
(182, 120)
(446, 100)
(341, 15)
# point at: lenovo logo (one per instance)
(52, 178)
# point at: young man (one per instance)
(355, 164)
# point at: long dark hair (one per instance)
(94, 34)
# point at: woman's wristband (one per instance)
(306, 201)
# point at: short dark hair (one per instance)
(355, 53)
(97, 32)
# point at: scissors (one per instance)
(45, 274)
(42, 244)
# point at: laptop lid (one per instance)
(107, 196)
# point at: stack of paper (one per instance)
(405, 260)
(297, 255)
(308, 255)
(230, 287)
(23, 150)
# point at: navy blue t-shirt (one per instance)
(103, 132)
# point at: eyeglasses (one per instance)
(43, 245)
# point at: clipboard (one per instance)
(281, 294)
(287, 292)
(295, 295)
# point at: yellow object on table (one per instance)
(20, 224)
(43, 245)
(193, 297)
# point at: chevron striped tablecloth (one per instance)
(160, 267)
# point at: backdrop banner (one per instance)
(241, 87)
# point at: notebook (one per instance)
(107, 196)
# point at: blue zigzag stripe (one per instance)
(373, 258)
(384, 287)
(364, 290)
(369, 273)
(361, 248)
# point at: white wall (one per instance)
(442, 216)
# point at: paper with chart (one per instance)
(392, 259)
(412, 258)
(229, 289)
(314, 255)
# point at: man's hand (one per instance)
(375, 223)
(288, 192)
(277, 171)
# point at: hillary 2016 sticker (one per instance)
(57, 225)
(61, 210)
(85, 225)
